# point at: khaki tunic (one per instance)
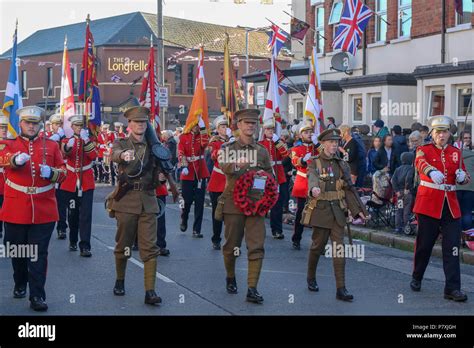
(136, 202)
(326, 212)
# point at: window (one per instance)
(464, 102)
(376, 102)
(299, 110)
(178, 83)
(319, 29)
(404, 18)
(24, 82)
(380, 20)
(467, 10)
(74, 78)
(357, 108)
(436, 103)
(191, 79)
(49, 86)
(336, 12)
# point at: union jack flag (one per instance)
(354, 19)
(277, 39)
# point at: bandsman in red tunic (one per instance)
(48, 131)
(217, 181)
(300, 158)
(57, 134)
(80, 153)
(33, 165)
(3, 135)
(440, 168)
(194, 174)
(278, 152)
(104, 144)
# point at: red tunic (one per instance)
(429, 201)
(217, 180)
(103, 142)
(161, 190)
(278, 151)
(28, 207)
(191, 149)
(300, 187)
(2, 181)
(73, 164)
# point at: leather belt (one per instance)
(301, 174)
(139, 186)
(77, 170)
(194, 158)
(441, 187)
(30, 190)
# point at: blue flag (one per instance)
(12, 101)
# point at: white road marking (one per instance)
(139, 264)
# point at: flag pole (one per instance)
(85, 117)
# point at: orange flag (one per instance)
(199, 105)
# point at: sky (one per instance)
(35, 15)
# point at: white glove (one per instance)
(70, 142)
(201, 123)
(275, 138)
(84, 135)
(102, 146)
(437, 177)
(314, 138)
(55, 137)
(60, 132)
(228, 132)
(45, 171)
(307, 157)
(185, 171)
(128, 155)
(460, 175)
(111, 145)
(22, 158)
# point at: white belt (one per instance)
(218, 170)
(194, 158)
(29, 190)
(441, 187)
(2, 170)
(301, 174)
(77, 170)
(276, 162)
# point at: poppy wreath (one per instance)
(245, 204)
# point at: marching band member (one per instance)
(437, 207)
(79, 149)
(278, 151)
(33, 165)
(217, 181)
(300, 158)
(194, 174)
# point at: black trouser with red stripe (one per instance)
(428, 230)
(193, 191)
(298, 232)
(30, 269)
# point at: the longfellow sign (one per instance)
(125, 64)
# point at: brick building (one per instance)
(122, 44)
(408, 71)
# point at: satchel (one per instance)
(219, 213)
(108, 202)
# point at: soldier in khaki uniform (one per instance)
(237, 225)
(134, 202)
(330, 195)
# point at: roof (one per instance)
(447, 69)
(135, 29)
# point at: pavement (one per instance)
(191, 280)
